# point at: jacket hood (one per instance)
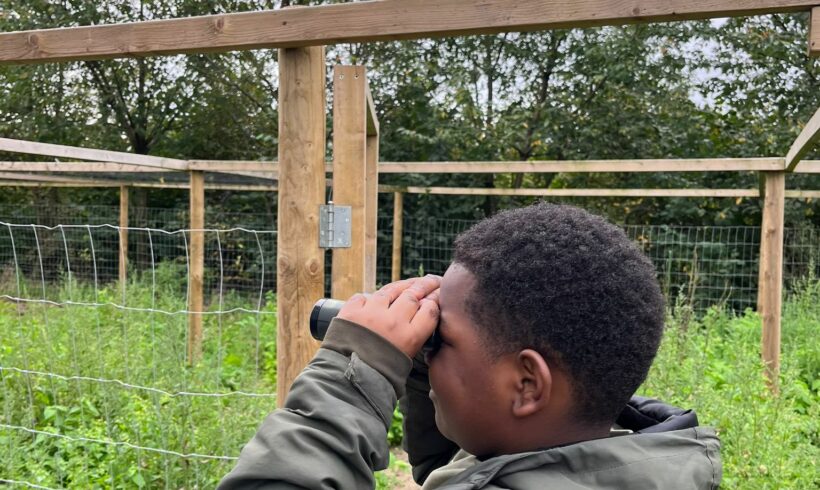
(647, 416)
(666, 450)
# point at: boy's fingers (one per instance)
(355, 302)
(390, 292)
(407, 304)
(426, 319)
(434, 295)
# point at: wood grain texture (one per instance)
(372, 119)
(590, 166)
(355, 22)
(469, 191)
(805, 142)
(371, 211)
(814, 33)
(350, 176)
(770, 279)
(300, 261)
(123, 231)
(398, 232)
(196, 266)
(62, 151)
(77, 166)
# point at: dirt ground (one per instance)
(401, 473)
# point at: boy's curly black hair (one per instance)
(572, 286)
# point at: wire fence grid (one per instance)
(97, 389)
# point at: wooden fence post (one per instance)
(300, 261)
(398, 230)
(770, 284)
(196, 257)
(371, 212)
(123, 265)
(350, 176)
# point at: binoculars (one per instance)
(326, 309)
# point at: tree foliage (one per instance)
(738, 88)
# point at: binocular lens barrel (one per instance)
(323, 311)
(326, 309)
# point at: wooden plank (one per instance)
(371, 212)
(565, 166)
(770, 283)
(356, 22)
(814, 33)
(796, 194)
(70, 185)
(123, 255)
(349, 176)
(372, 119)
(44, 178)
(73, 166)
(572, 166)
(61, 151)
(804, 143)
(465, 191)
(808, 167)
(196, 267)
(791, 194)
(398, 231)
(114, 183)
(266, 166)
(270, 169)
(300, 261)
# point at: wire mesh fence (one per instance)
(97, 387)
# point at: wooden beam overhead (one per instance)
(270, 169)
(469, 191)
(6, 182)
(61, 151)
(229, 166)
(567, 166)
(804, 143)
(41, 178)
(80, 167)
(542, 166)
(814, 33)
(356, 22)
(465, 191)
(808, 167)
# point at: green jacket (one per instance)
(332, 433)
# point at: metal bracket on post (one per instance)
(334, 226)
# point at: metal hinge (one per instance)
(334, 226)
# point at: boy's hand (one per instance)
(403, 312)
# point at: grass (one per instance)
(711, 364)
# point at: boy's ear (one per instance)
(533, 384)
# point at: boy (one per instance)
(549, 319)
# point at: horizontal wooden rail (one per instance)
(540, 166)
(356, 22)
(270, 169)
(591, 166)
(469, 191)
(36, 181)
(62, 151)
(83, 167)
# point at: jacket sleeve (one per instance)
(426, 447)
(332, 430)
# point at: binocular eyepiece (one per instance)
(326, 310)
